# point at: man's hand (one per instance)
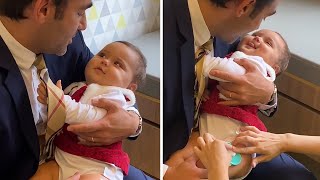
(247, 89)
(186, 170)
(117, 125)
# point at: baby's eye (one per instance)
(102, 55)
(269, 43)
(118, 64)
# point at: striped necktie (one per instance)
(56, 107)
(200, 82)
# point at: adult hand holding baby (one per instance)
(250, 88)
(117, 125)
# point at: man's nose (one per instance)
(83, 23)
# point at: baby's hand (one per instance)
(42, 93)
(206, 95)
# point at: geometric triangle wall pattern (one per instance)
(111, 20)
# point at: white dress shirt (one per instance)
(25, 59)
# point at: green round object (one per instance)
(236, 159)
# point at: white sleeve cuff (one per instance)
(139, 130)
(164, 170)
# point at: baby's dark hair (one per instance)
(285, 56)
(140, 74)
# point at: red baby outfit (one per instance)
(68, 142)
(246, 114)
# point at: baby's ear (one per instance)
(133, 86)
(276, 69)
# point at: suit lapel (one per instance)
(187, 58)
(17, 89)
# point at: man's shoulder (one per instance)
(222, 48)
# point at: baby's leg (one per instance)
(92, 177)
(47, 171)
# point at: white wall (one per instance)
(298, 21)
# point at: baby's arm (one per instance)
(222, 64)
(77, 112)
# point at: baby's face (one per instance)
(114, 65)
(264, 43)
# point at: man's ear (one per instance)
(244, 7)
(133, 86)
(41, 9)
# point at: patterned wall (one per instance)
(111, 20)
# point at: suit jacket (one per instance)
(19, 152)
(179, 78)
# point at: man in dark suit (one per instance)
(29, 28)
(187, 25)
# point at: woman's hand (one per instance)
(214, 155)
(268, 145)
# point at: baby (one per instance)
(114, 73)
(269, 52)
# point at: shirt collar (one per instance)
(23, 56)
(200, 29)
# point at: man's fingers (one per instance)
(85, 128)
(230, 103)
(106, 104)
(248, 65)
(225, 76)
(97, 141)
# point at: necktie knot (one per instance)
(204, 49)
(39, 63)
(200, 81)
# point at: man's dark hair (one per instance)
(140, 74)
(14, 8)
(258, 6)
